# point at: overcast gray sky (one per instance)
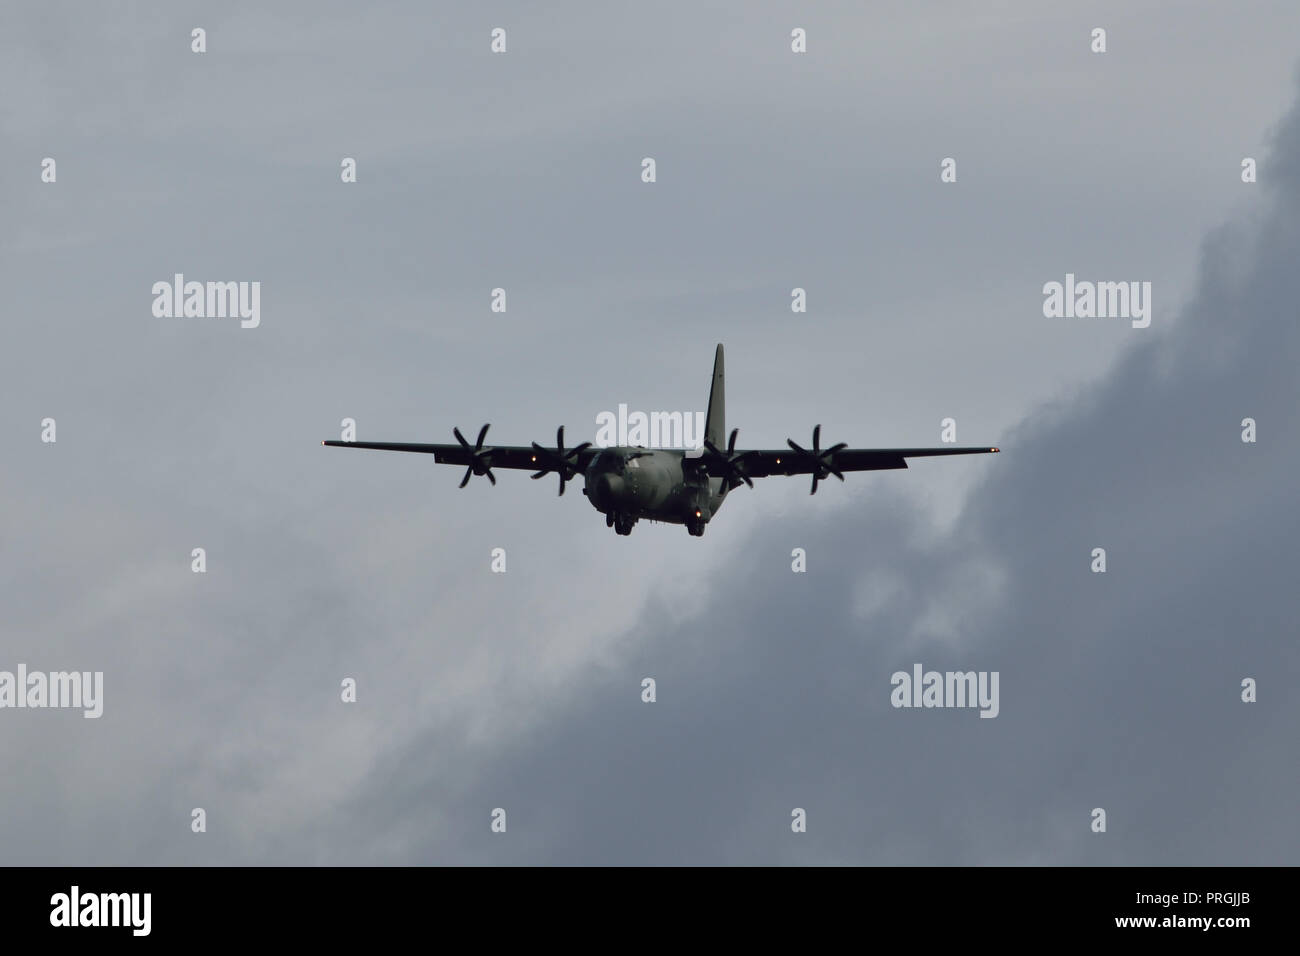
(523, 690)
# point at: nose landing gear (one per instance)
(622, 523)
(695, 526)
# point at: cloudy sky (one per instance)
(523, 690)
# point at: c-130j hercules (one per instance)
(659, 484)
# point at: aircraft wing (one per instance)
(735, 467)
(785, 461)
(501, 456)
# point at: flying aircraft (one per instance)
(675, 486)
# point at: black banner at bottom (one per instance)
(672, 905)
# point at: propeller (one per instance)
(563, 463)
(822, 462)
(480, 458)
(728, 462)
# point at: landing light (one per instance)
(698, 515)
(535, 457)
(992, 449)
(778, 461)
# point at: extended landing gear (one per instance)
(696, 527)
(622, 523)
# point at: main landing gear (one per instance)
(620, 522)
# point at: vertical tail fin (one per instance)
(715, 425)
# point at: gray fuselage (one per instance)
(651, 483)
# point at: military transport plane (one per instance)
(669, 485)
